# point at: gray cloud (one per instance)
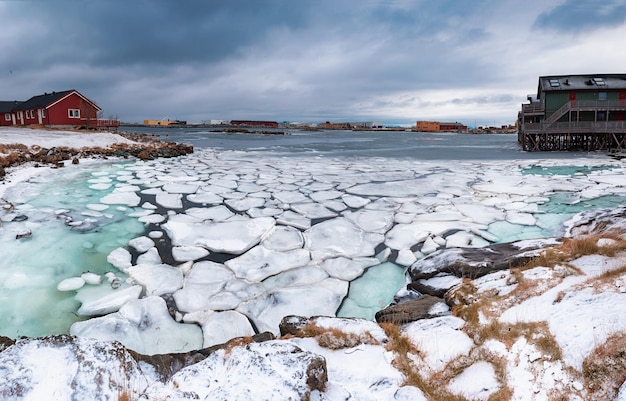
(582, 15)
(285, 60)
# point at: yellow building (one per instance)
(162, 123)
(427, 126)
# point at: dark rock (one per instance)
(75, 160)
(5, 342)
(408, 311)
(596, 221)
(166, 365)
(20, 217)
(291, 324)
(424, 288)
(24, 234)
(473, 262)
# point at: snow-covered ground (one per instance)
(299, 232)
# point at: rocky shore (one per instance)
(141, 146)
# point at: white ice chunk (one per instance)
(322, 298)
(180, 188)
(120, 258)
(347, 269)
(300, 276)
(325, 195)
(405, 236)
(153, 218)
(234, 237)
(463, 239)
(215, 213)
(405, 257)
(379, 221)
(525, 219)
(290, 197)
(97, 207)
(157, 279)
(244, 204)
(187, 253)
(169, 201)
(283, 238)
(71, 284)
(141, 244)
(290, 218)
(220, 327)
(145, 326)
(150, 257)
(313, 210)
(337, 237)
(99, 302)
(354, 201)
(205, 198)
(121, 198)
(260, 262)
(91, 278)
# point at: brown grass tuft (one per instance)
(604, 370)
(333, 338)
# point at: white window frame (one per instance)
(31, 114)
(43, 113)
(7, 116)
(73, 113)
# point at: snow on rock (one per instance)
(440, 339)
(142, 325)
(234, 237)
(476, 382)
(68, 368)
(271, 370)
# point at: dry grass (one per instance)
(604, 370)
(335, 339)
(573, 248)
(237, 342)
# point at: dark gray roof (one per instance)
(6, 107)
(556, 83)
(41, 101)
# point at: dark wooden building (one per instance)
(575, 112)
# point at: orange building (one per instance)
(427, 126)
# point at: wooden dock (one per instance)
(576, 136)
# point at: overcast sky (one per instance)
(395, 61)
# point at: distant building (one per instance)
(56, 109)
(585, 112)
(427, 126)
(436, 126)
(164, 123)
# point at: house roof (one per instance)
(49, 99)
(6, 107)
(560, 83)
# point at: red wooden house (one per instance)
(6, 116)
(58, 109)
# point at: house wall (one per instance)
(3, 119)
(58, 114)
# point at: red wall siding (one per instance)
(58, 114)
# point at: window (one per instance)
(599, 81)
(43, 113)
(554, 83)
(31, 114)
(602, 96)
(73, 113)
(7, 117)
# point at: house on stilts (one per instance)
(575, 112)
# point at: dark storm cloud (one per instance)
(577, 15)
(295, 60)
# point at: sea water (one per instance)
(72, 233)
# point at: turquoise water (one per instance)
(30, 304)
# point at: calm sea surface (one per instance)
(390, 144)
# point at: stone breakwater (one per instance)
(143, 147)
